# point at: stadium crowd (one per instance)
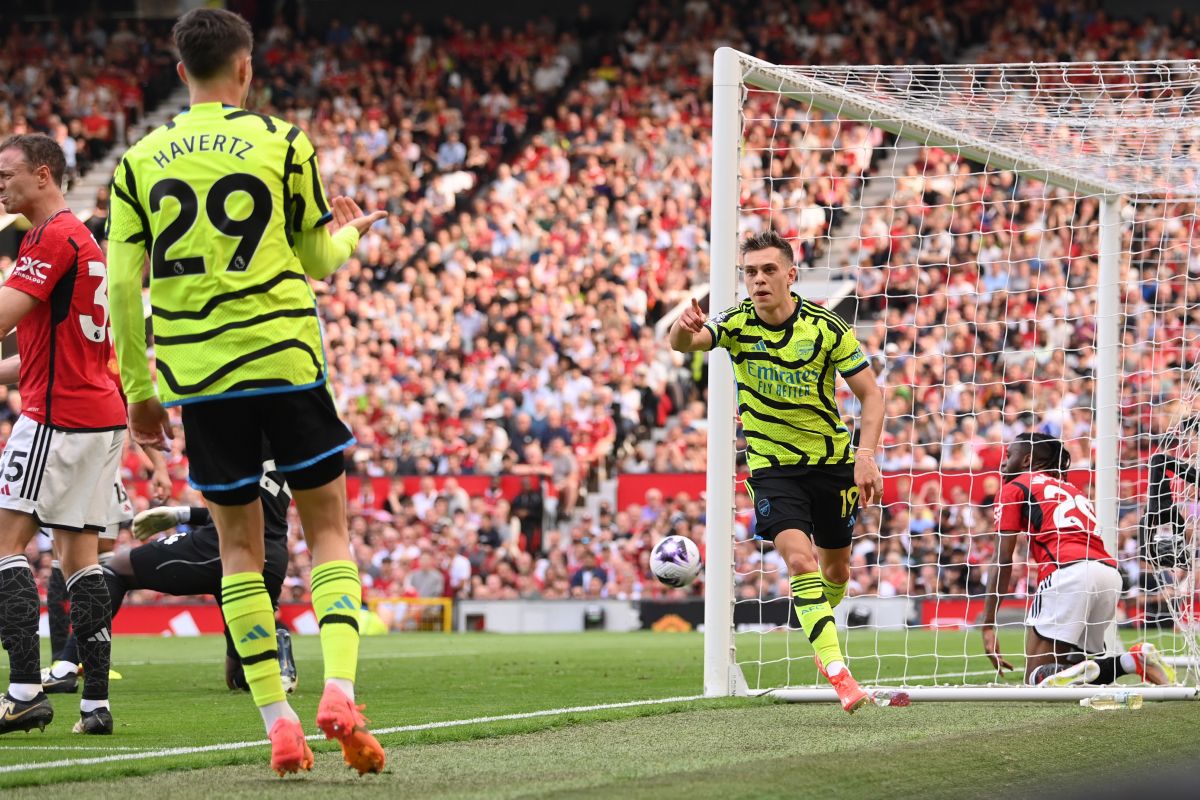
(549, 197)
(85, 85)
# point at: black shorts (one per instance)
(225, 442)
(185, 564)
(821, 501)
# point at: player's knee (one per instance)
(836, 573)
(799, 563)
(120, 564)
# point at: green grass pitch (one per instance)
(172, 696)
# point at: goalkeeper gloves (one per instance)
(153, 520)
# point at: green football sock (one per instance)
(834, 592)
(816, 617)
(251, 620)
(336, 598)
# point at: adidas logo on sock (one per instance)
(101, 635)
(258, 632)
(343, 603)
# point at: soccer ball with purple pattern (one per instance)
(675, 561)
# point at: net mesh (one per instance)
(952, 214)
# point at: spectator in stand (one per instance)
(549, 198)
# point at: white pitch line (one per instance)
(22, 748)
(427, 726)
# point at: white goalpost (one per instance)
(1018, 248)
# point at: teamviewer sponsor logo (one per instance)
(31, 269)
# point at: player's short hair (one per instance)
(209, 38)
(40, 151)
(767, 240)
(1048, 453)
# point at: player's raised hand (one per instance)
(149, 424)
(693, 317)
(346, 212)
(155, 520)
(992, 650)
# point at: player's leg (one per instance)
(1143, 660)
(225, 463)
(1049, 662)
(1071, 612)
(816, 616)
(23, 706)
(63, 675)
(86, 459)
(57, 612)
(307, 442)
(1104, 592)
(835, 572)
(274, 573)
(91, 624)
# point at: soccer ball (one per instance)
(675, 561)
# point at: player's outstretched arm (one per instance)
(322, 250)
(689, 333)
(999, 576)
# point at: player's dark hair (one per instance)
(40, 151)
(209, 38)
(766, 240)
(1048, 454)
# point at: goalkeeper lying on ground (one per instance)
(189, 563)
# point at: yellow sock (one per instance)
(816, 617)
(834, 592)
(336, 598)
(251, 620)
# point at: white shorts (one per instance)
(121, 512)
(64, 479)
(1076, 603)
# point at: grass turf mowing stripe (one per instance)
(179, 751)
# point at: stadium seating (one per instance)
(548, 206)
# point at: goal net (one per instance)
(1017, 248)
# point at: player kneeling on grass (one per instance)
(805, 480)
(189, 563)
(1078, 581)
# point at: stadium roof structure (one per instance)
(1125, 128)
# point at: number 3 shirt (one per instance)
(1058, 518)
(64, 341)
(216, 198)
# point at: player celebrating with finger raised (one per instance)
(229, 206)
(807, 480)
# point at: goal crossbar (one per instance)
(793, 83)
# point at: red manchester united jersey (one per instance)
(1058, 518)
(64, 342)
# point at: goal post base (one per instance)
(1022, 694)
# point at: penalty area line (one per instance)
(425, 726)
